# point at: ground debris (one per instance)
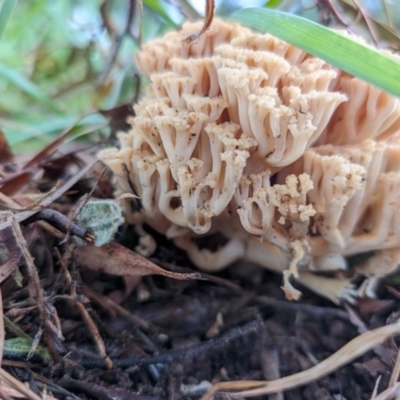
(115, 325)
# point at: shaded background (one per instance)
(62, 59)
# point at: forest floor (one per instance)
(111, 337)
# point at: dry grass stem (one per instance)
(17, 385)
(51, 229)
(2, 332)
(10, 202)
(32, 271)
(389, 394)
(23, 215)
(35, 344)
(376, 387)
(352, 350)
(94, 332)
(269, 360)
(394, 377)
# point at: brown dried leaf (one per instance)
(13, 183)
(373, 306)
(6, 154)
(118, 116)
(23, 215)
(51, 147)
(115, 259)
(10, 252)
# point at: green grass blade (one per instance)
(28, 87)
(159, 8)
(6, 10)
(272, 3)
(355, 58)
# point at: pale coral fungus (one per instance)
(293, 161)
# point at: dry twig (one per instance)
(17, 385)
(34, 281)
(94, 332)
(390, 393)
(23, 215)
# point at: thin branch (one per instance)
(118, 40)
(34, 280)
(63, 223)
(170, 356)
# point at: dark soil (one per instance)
(234, 326)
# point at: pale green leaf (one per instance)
(6, 10)
(272, 3)
(28, 87)
(355, 58)
(159, 8)
(21, 346)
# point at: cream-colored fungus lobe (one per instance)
(293, 161)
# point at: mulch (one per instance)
(235, 325)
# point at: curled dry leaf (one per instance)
(115, 259)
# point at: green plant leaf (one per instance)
(6, 10)
(157, 6)
(272, 3)
(21, 346)
(28, 87)
(355, 58)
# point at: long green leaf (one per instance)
(6, 10)
(159, 8)
(350, 56)
(272, 3)
(28, 87)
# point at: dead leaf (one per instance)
(374, 367)
(115, 259)
(10, 252)
(51, 147)
(23, 215)
(373, 306)
(12, 183)
(118, 296)
(118, 116)
(6, 154)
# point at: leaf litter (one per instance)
(158, 346)
(152, 341)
